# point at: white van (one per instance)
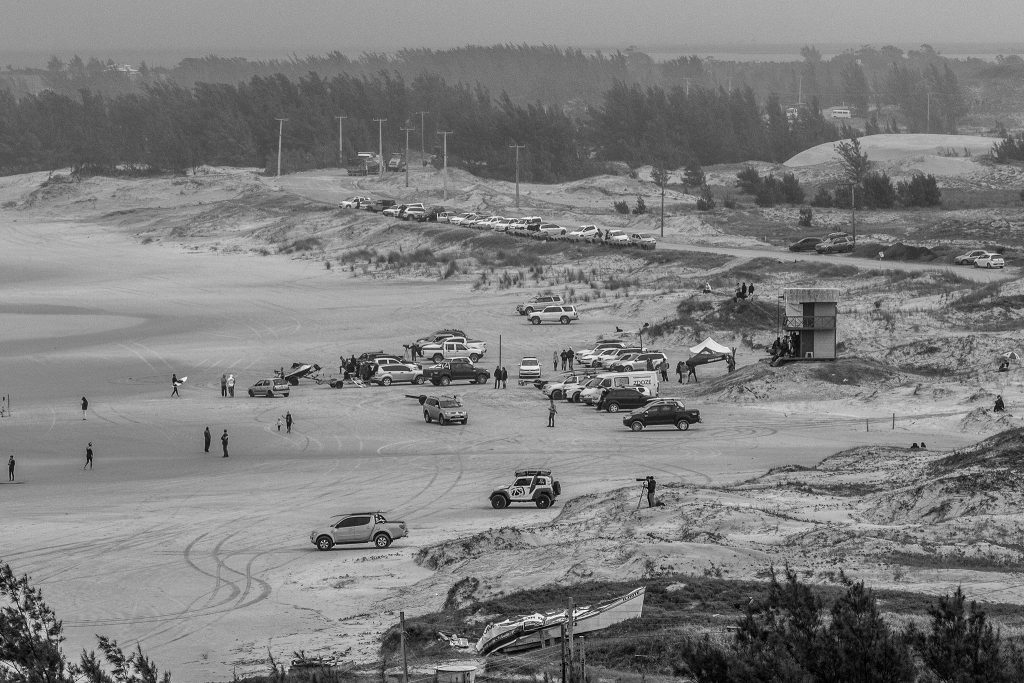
(646, 381)
(840, 113)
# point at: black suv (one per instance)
(661, 413)
(612, 400)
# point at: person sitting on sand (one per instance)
(915, 447)
(999, 406)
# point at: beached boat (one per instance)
(532, 631)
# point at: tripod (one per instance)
(643, 489)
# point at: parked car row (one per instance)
(980, 258)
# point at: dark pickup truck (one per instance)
(455, 369)
(662, 412)
(378, 205)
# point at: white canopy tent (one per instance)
(709, 345)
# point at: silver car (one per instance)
(270, 388)
(389, 373)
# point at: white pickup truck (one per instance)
(453, 347)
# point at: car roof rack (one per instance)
(532, 473)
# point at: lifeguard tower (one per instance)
(808, 318)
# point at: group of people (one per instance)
(567, 356)
(500, 377)
(359, 369)
(227, 385)
(744, 291)
(208, 437)
(786, 346)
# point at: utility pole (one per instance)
(583, 659)
(570, 618)
(405, 658)
(423, 154)
(341, 140)
(444, 171)
(565, 651)
(853, 212)
(280, 134)
(517, 148)
(407, 131)
(380, 146)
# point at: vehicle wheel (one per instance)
(499, 501)
(576, 398)
(636, 426)
(418, 380)
(612, 407)
(682, 425)
(474, 357)
(535, 320)
(441, 420)
(990, 265)
(270, 394)
(324, 543)
(544, 502)
(437, 358)
(445, 381)
(382, 540)
(426, 417)
(386, 381)
(251, 394)
(481, 378)
(529, 310)
(557, 395)
(564, 320)
(465, 421)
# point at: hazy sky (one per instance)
(209, 26)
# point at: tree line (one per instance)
(170, 128)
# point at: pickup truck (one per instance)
(378, 205)
(454, 369)
(357, 527)
(354, 202)
(453, 347)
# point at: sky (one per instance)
(98, 27)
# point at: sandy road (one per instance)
(207, 560)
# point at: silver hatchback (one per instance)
(270, 388)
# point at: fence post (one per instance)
(867, 427)
(894, 421)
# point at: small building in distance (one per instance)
(809, 319)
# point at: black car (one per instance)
(662, 413)
(612, 400)
(806, 244)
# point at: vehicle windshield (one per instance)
(451, 403)
(593, 383)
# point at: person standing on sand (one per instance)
(663, 366)
(572, 356)
(174, 385)
(279, 424)
(10, 468)
(85, 406)
(207, 437)
(497, 376)
(504, 378)
(692, 372)
(651, 485)
(231, 386)
(554, 360)
(223, 385)
(224, 443)
(679, 370)
(552, 410)
(88, 457)
(288, 422)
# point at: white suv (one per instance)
(539, 302)
(551, 314)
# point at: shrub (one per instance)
(641, 206)
(822, 198)
(622, 206)
(806, 215)
(706, 200)
(878, 191)
(922, 190)
(748, 179)
(791, 189)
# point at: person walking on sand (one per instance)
(497, 376)
(10, 468)
(554, 360)
(224, 443)
(231, 386)
(572, 357)
(663, 366)
(88, 457)
(564, 355)
(288, 422)
(223, 385)
(552, 410)
(174, 385)
(207, 438)
(85, 407)
(278, 424)
(504, 377)
(680, 370)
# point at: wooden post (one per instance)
(894, 420)
(867, 427)
(570, 618)
(583, 659)
(405, 658)
(565, 651)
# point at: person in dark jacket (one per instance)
(651, 485)
(504, 378)
(85, 407)
(497, 376)
(224, 443)
(207, 437)
(88, 457)
(288, 422)
(174, 385)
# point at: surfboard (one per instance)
(181, 380)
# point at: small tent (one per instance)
(710, 346)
